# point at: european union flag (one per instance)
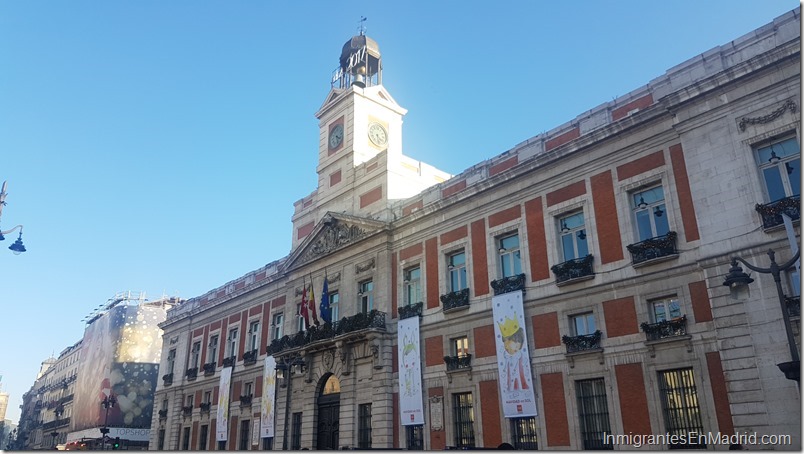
(326, 315)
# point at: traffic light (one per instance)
(116, 444)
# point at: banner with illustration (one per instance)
(222, 424)
(267, 404)
(513, 360)
(411, 407)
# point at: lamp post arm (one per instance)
(6, 232)
(752, 267)
(790, 263)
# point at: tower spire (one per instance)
(361, 26)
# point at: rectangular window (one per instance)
(295, 438)
(464, 416)
(248, 389)
(207, 397)
(245, 439)
(665, 309)
(185, 439)
(364, 426)
(413, 285)
(572, 237)
(366, 294)
(202, 438)
(254, 335)
(334, 305)
(195, 354)
(164, 404)
(160, 440)
(300, 326)
(460, 346)
(276, 326)
(650, 213)
(268, 444)
(510, 262)
(593, 413)
(415, 437)
(456, 264)
(212, 354)
(231, 343)
(524, 432)
(583, 324)
(171, 359)
(780, 164)
(682, 414)
(189, 400)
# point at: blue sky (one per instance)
(159, 146)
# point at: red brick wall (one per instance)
(455, 188)
(370, 197)
(304, 230)
(633, 400)
(563, 138)
(454, 235)
(194, 437)
(334, 178)
(258, 386)
(395, 411)
(413, 206)
(537, 241)
(639, 103)
(438, 439)
(501, 217)
(566, 193)
(718, 382)
(434, 351)
(620, 316)
(431, 262)
(241, 344)
(410, 251)
(480, 271)
(231, 443)
(684, 193)
(640, 165)
(266, 325)
(503, 165)
(700, 302)
(545, 330)
(490, 413)
(485, 344)
(608, 227)
(278, 302)
(212, 445)
(555, 409)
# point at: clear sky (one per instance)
(159, 146)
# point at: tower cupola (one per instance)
(360, 64)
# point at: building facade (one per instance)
(614, 230)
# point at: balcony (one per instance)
(205, 406)
(652, 250)
(586, 342)
(163, 414)
(346, 327)
(665, 329)
(793, 304)
(410, 310)
(168, 379)
(209, 369)
(245, 401)
(55, 424)
(192, 373)
(508, 284)
(771, 213)
(455, 300)
(187, 410)
(229, 361)
(250, 357)
(574, 270)
(456, 363)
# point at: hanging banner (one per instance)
(513, 360)
(267, 404)
(411, 407)
(222, 425)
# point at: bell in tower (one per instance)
(360, 63)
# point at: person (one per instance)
(506, 446)
(515, 373)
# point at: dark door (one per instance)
(329, 407)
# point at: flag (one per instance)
(303, 310)
(325, 311)
(311, 302)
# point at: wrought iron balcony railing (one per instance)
(374, 320)
(229, 361)
(205, 406)
(574, 269)
(209, 368)
(250, 357)
(665, 329)
(168, 379)
(410, 310)
(455, 300)
(584, 342)
(245, 400)
(187, 410)
(458, 362)
(509, 284)
(771, 213)
(793, 304)
(162, 414)
(653, 248)
(192, 373)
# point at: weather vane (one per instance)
(361, 27)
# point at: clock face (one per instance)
(377, 134)
(336, 136)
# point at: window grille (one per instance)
(682, 415)
(160, 442)
(295, 439)
(464, 416)
(415, 437)
(185, 439)
(524, 433)
(245, 425)
(593, 412)
(202, 438)
(364, 426)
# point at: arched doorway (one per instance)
(329, 407)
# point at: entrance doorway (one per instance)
(329, 408)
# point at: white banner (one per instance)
(222, 424)
(267, 404)
(513, 360)
(411, 409)
(125, 433)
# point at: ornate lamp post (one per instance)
(285, 370)
(17, 248)
(107, 402)
(736, 278)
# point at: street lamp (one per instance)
(17, 248)
(107, 402)
(736, 278)
(285, 370)
(54, 434)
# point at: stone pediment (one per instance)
(333, 233)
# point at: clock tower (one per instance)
(361, 168)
